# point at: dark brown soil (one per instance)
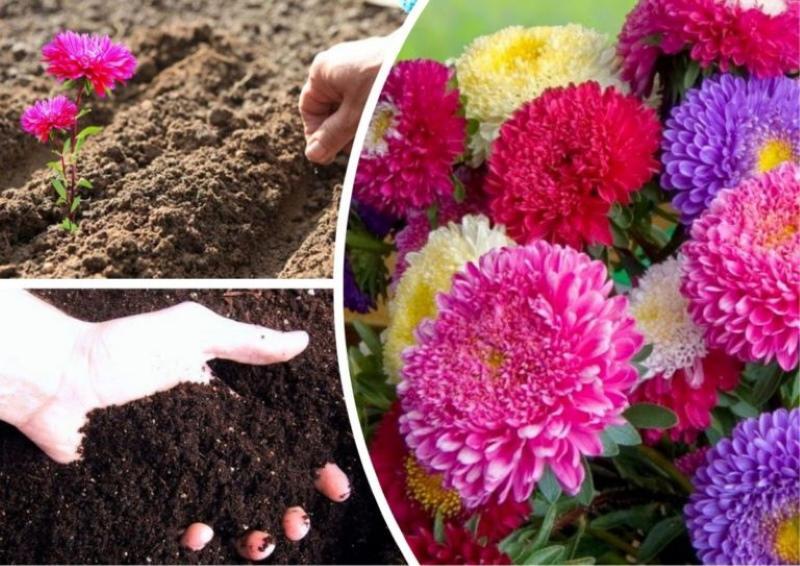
(200, 170)
(234, 454)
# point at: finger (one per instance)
(315, 107)
(333, 135)
(252, 344)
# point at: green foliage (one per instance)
(373, 395)
(649, 415)
(660, 536)
(367, 255)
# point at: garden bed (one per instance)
(200, 170)
(234, 454)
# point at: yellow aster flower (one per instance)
(498, 73)
(430, 271)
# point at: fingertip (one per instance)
(296, 343)
(317, 153)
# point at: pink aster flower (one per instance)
(741, 272)
(524, 367)
(689, 463)
(415, 137)
(691, 398)
(72, 56)
(761, 36)
(58, 113)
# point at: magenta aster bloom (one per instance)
(728, 130)
(415, 137)
(746, 505)
(72, 56)
(760, 36)
(58, 113)
(741, 273)
(525, 365)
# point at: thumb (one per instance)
(334, 134)
(253, 344)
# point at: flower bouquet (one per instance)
(573, 277)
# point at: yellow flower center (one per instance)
(520, 55)
(380, 127)
(427, 490)
(773, 153)
(787, 540)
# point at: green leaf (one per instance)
(582, 560)
(648, 415)
(69, 226)
(744, 409)
(543, 534)
(369, 337)
(692, 73)
(68, 85)
(56, 167)
(76, 202)
(548, 555)
(85, 133)
(549, 486)
(433, 216)
(438, 528)
(610, 448)
(84, 111)
(622, 216)
(85, 183)
(624, 434)
(634, 517)
(767, 385)
(59, 187)
(659, 537)
(460, 191)
(586, 494)
(67, 147)
(643, 354)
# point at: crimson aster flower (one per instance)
(565, 158)
(741, 272)
(72, 56)
(415, 137)
(40, 119)
(759, 36)
(459, 547)
(745, 508)
(524, 366)
(728, 130)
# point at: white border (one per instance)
(338, 277)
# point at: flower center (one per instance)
(427, 490)
(787, 540)
(776, 230)
(521, 54)
(381, 128)
(773, 153)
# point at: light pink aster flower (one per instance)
(525, 365)
(72, 56)
(741, 272)
(40, 119)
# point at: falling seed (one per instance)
(196, 536)
(332, 482)
(255, 545)
(296, 523)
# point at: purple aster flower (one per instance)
(378, 223)
(728, 130)
(746, 505)
(354, 298)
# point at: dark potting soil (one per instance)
(234, 454)
(200, 170)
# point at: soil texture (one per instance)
(234, 454)
(200, 171)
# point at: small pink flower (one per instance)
(72, 56)
(58, 113)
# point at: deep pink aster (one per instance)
(691, 461)
(691, 402)
(58, 113)
(565, 158)
(764, 41)
(459, 547)
(524, 367)
(415, 137)
(72, 56)
(741, 272)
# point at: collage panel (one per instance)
(178, 426)
(572, 283)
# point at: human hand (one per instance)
(119, 361)
(333, 98)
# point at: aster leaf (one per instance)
(767, 384)
(67, 147)
(55, 166)
(635, 517)
(369, 337)
(85, 133)
(548, 555)
(692, 74)
(438, 528)
(587, 492)
(549, 486)
(59, 187)
(582, 560)
(744, 409)
(659, 537)
(76, 202)
(624, 434)
(643, 354)
(68, 85)
(460, 191)
(610, 448)
(543, 534)
(649, 415)
(85, 183)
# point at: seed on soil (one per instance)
(332, 482)
(255, 545)
(296, 523)
(196, 536)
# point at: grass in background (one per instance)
(448, 26)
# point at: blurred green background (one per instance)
(448, 26)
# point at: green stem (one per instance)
(613, 540)
(668, 467)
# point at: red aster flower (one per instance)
(58, 113)
(565, 158)
(459, 547)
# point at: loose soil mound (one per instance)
(235, 455)
(200, 170)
